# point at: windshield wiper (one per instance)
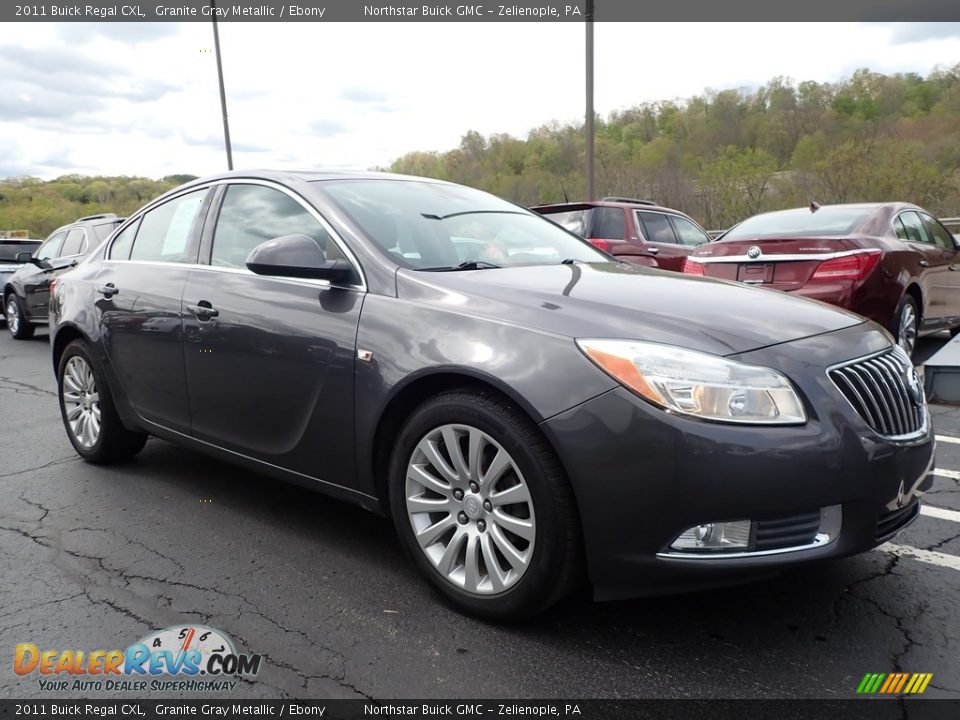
(466, 265)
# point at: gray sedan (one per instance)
(532, 413)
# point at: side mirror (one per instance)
(24, 257)
(298, 256)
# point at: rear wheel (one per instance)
(89, 415)
(483, 507)
(908, 324)
(17, 323)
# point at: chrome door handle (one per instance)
(203, 312)
(108, 290)
(653, 250)
(923, 263)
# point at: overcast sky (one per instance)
(142, 99)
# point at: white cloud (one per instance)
(143, 99)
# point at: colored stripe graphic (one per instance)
(894, 683)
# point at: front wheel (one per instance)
(17, 323)
(908, 324)
(89, 415)
(483, 506)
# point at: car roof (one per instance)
(621, 203)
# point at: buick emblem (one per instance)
(915, 387)
(753, 253)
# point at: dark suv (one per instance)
(639, 231)
(26, 293)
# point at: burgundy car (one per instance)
(892, 262)
(638, 231)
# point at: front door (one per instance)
(270, 360)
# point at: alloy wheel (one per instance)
(907, 329)
(470, 509)
(81, 401)
(13, 315)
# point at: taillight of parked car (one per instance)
(600, 243)
(853, 267)
(53, 286)
(691, 267)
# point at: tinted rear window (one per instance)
(104, 231)
(837, 220)
(9, 250)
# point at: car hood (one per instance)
(620, 300)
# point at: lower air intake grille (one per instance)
(890, 523)
(885, 390)
(800, 529)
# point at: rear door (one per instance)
(270, 360)
(661, 239)
(139, 289)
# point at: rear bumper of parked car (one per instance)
(643, 476)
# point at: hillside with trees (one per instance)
(722, 156)
(40, 207)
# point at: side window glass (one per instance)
(73, 243)
(915, 229)
(610, 225)
(899, 228)
(941, 237)
(51, 248)
(120, 250)
(688, 233)
(253, 214)
(166, 231)
(657, 228)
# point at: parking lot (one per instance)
(97, 557)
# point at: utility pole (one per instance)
(223, 93)
(589, 113)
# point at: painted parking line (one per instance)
(952, 474)
(948, 439)
(941, 513)
(925, 556)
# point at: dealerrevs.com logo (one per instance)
(187, 658)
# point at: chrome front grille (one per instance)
(886, 391)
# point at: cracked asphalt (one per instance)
(97, 557)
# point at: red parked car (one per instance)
(892, 262)
(638, 231)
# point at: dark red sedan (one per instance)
(637, 231)
(893, 262)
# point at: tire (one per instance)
(85, 397)
(906, 310)
(17, 323)
(515, 457)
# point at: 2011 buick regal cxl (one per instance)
(529, 411)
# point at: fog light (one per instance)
(715, 536)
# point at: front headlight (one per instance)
(693, 383)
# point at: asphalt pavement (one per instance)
(97, 557)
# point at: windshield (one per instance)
(830, 220)
(433, 226)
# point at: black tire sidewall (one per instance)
(538, 586)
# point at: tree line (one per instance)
(720, 156)
(723, 156)
(39, 206)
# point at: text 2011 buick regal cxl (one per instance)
(529, 411)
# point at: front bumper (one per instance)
(642, 475)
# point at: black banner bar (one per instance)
(874, 708)
(476, 11)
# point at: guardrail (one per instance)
(951, 222)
